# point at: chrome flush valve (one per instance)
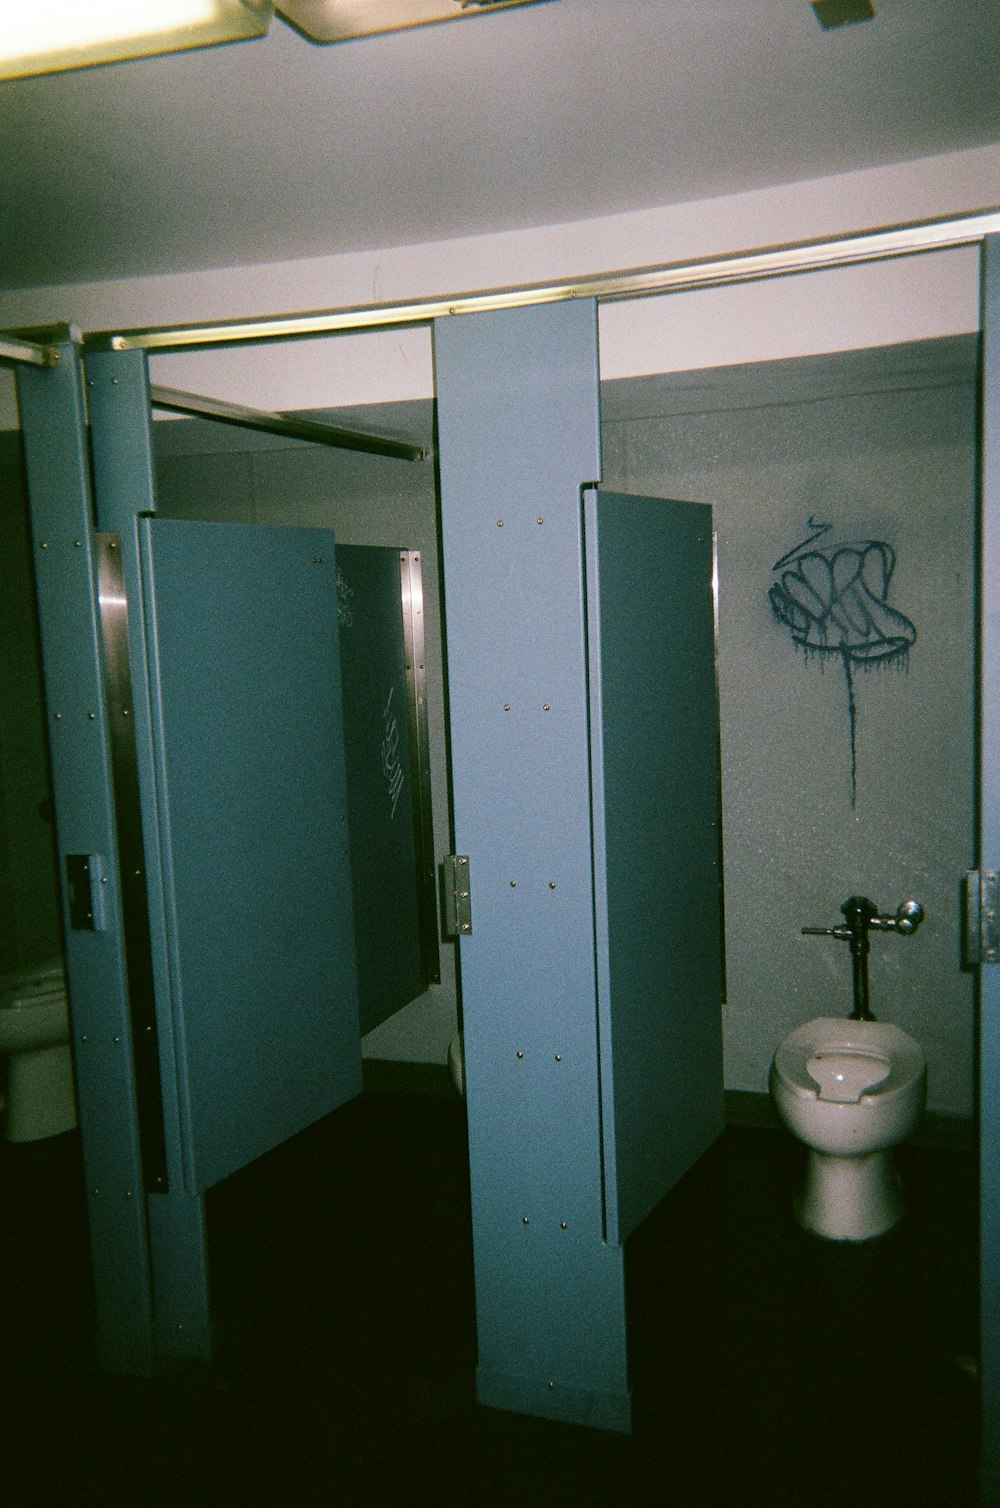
(861, 916)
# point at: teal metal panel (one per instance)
(53, 422)
(655, 756)
(124, 490)
(989, 859)
(383, 795)
(518, 435)
(245, 689)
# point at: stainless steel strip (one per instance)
(671, 277)
(291, 427)
(113, 607)
(411, 584)
(26, 353)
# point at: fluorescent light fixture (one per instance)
(339, 20)
(47, 36)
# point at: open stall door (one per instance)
(243, 659)
(657, 842)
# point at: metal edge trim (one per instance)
(412, 598)
(119, 708)
(872, 245)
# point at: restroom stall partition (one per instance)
(192, 687)
(985, 939)
(584, 734)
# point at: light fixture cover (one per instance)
(339, 20)
(48, 36)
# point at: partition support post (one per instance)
(989, 860)
(124, 488)
(53, 424)
(518, 436)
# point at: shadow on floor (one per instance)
(769, 1368)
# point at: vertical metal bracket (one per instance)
(456, 897)
(981, 918)
(113, 610)
(412, 598)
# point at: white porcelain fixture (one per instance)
(851, 1090)
(456, 1063)
(39, 1098)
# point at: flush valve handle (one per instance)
(906, 921)
(861, 916)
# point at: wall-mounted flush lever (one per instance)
(860, 917)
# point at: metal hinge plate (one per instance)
(456, 897)
(981, 931)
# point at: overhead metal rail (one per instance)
(27, 353)
(19, 352)
(671, 277)
(288, 425)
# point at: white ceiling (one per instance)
(531, 116)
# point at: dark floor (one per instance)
(770, 1368)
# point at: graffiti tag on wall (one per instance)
(833, 600)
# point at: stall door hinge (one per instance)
(457, 898)
(981, 931)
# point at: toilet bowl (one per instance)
(39, 1098)
(851, 1091)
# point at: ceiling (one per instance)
(531, 116)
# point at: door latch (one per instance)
(981, 918)
(85, 882)
(456, 895)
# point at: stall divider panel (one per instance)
(989, 865)
(518, 439)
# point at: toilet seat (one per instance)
(893, 1059)
(846, 1076)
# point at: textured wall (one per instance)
(882, 446)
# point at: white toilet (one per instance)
(851, 1090)
(456, 1063)
(39, 1097)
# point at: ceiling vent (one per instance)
(831, 13)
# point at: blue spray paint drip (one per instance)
(833, 603)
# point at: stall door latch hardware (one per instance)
(456, 895)
(86, 882)
(981, 918)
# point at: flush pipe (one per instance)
(861, 916)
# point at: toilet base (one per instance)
(41, 1099)
(850, 1198)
